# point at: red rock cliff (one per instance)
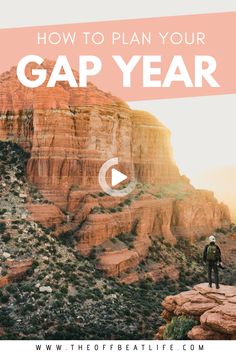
(71, 132)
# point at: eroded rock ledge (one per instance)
(68, 134)
(214, 309)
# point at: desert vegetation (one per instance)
(63, 295)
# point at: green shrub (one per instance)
(67, 238)
(6, 238)
(92, 254)
(101, 194)
(3, 211)
(179, 327)
(5, 319)
(98, 210)
(4, 298)
(127, 237)
(2, 227)
(222, 230)
(127, 201)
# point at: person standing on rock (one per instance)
(212, 256)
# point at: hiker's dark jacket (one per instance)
(205, 253)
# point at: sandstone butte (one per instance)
(214, 309)
(70, 133)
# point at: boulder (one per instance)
(45, 289)
(200, 333)
(215, 309)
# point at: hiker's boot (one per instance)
(210, 285)
(217, 286)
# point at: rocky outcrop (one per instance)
(149, 217)
(198, 214)
(155, 272)
(70, 133)
(45, 214)
(215, 309)
(16, 269)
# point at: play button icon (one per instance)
(117, 177)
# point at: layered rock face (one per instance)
(70, 133)
(198, 214)
(214, 308)
(151, 150)
(45, 214)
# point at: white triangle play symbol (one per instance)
(117, 177)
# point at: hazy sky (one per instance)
(203, 131)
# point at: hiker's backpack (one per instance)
(212, 253)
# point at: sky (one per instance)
(26, 13)
(203, 132)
